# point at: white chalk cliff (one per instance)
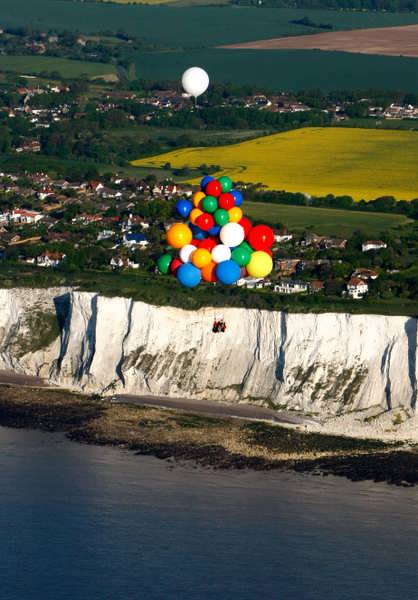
(320, 363)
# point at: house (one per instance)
(328, 243)
(10, 238)
(287, 266)
(29, 146)
(95, 186)
(373, 245)
(105, 234)
(49, 259)
(357, 288)
(135, 239)
(25, 217)
(365, 274)
(288, 286)
(253, 283)
(316, 286)
(283, 236)
(120, 262)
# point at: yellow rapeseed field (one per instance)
(364, 163)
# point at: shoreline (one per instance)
(205, 440)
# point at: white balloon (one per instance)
(232, 234)
(220, 253)
(186, 253)
(195, 81)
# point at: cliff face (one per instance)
(327, 364)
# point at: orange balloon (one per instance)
(235, 214)
(208, 272)
(197, 198)
(179, 235)
(194, 213)
(201, 258)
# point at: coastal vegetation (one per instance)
(42, 330)
(361, 163)
(165, 291)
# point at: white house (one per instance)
(25, 217)
(288, 286)
(253, 283)
(283, 236)
(119, 262)
(373, 245)
(49, 259)
(105, 234)
(357, 288)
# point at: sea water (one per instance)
(91, 523)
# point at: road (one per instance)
(205, 407)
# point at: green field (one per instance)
(326, 221)
(185, 27)
(33, 65)
(362, 163)
(189, 36)
(287, 69)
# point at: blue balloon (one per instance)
(214, 230)
(238, 197)
(198, 233)
(188, 275)
(184, 208)
(228, 272)
(205, 181)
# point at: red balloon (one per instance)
(261, 237)
(195, 242)
(246, 224)
(205, 221)
(226, 201)
(208, 243)
(213, 188)
(175, 264)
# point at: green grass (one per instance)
(326, 221)
(33, 65)
(165, 291)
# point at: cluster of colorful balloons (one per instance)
(218, 244)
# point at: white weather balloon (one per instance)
(195, 81)
(232, 234)
(220, 253)
(186, 253)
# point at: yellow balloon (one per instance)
(260, 265)
(201, 258)
(235, 214)
(194, 213)
(197, 198)
(179, 235)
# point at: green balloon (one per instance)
(226, 183)
(164, 263)
(241, 256)
(246, 246)
(209, 204)
(221, 217)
